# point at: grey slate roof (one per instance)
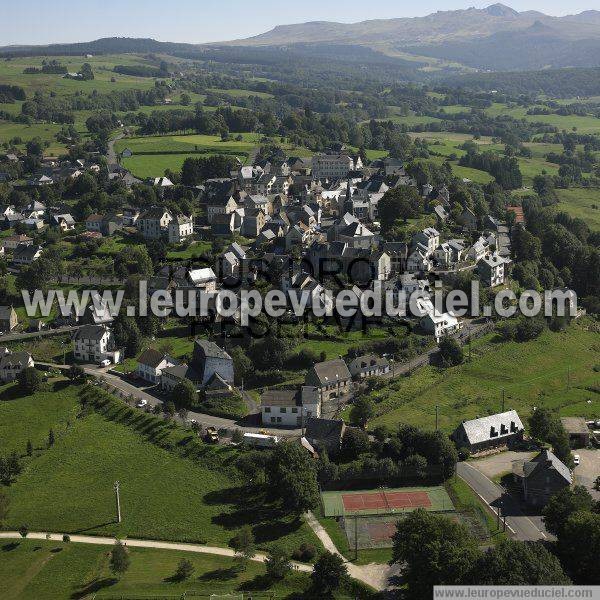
(5, 312)
(547, 460)
(331, 370)
(324, 429)
(211, 350)
(280, 398)
(369, 361)
(90, 332)
(14, 359)
(183, 371)
(481, 430)
(151, 358)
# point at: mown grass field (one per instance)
(44, 131)
(11, 72)
(235, 93)
(40, 570)
(24, 418)
(193, 251)
(187, 143)
(553, 371)
(152, 155)
(69, 487)
(448, 144)
(581, 203)
(586, 124)
(410, 120)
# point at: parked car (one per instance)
(105, 362)
(142, 403)
(260, 440)
(212, 437)
(576, 459)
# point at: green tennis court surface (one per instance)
(385, 501)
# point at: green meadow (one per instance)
(29, 418)
(36, 570)
(582, 203)
(556, 370)
(587, 124)
(172, 488)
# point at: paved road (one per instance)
(470, 329)
(108, 541)
(523, 527)
(111, 155)
(203, 419)
(112, 159)
(15, 337)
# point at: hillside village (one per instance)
(181, 442)
(294, 224)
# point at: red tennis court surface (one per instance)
(386, 500)
(381, 532)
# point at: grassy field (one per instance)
(410, 120)
(145, 166)
(24, 418)
(154, 154)
(39, 570)
(554, 371)
(164, 495)
(188, 143)
(44, 131)
(11, 72)
(581, 203)
(235, 93)
(586, 124)
(193, 251)
(448, 144)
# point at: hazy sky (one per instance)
(196, 21)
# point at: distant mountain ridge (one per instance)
(435, 28)
(496, 38)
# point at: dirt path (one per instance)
(133, 543)
(375, 575)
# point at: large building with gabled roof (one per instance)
(492, 431)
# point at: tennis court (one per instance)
(385, 501)
(369, 517)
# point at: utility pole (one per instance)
(356, 537)
(118, 500)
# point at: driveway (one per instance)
(588, 470)
(498, 464)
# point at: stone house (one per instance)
(331, 378)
